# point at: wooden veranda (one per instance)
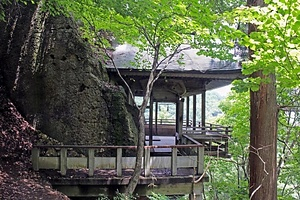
(91, 173)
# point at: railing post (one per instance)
(147, 161)
(91, 161)
(226, 141)
(35, 154)
(63, 161)
(200, 160)
(119, 161)
(174, 161)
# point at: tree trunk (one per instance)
(263, 141)
(263, 133)
(141, 137)
(139, 156)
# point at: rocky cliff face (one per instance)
(57, 82)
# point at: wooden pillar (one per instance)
(187, 111)
(156, 116)
(203, 108)
(194, 110)
(179, 116)
(151, 121)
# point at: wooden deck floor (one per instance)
(77, 183)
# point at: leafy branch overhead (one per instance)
(276, 44)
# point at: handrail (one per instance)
(115, 147)
(199, 125)
(118, 162)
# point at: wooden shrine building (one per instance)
(176, 85)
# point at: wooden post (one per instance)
(197, 192)
(151, 121)
(194, 111)
(226, 141)
(119, 161)
(156, 116)
(63, 161)
(174, 161)
(91, 161)
(180, 117)
(187, 112)
(203, 108)
(200, 160)
(35, 154)
(147, 162)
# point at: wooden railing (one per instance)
(169, 122)
(118, 162)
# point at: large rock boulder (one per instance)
(57, 82)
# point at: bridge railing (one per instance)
(119, 162)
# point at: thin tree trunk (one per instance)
(139, 155)
(263, 133)
(141, 137)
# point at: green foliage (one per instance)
(118, 196)
(288, 143)
(156, 196)
(226, 181)
(276, 45)
(4, 3)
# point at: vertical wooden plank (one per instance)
(187, 111)
(197, 191)
(180, 118)
(35, 154)
(63, 161)
(91, 161)
(203, 108)
(147, 162)
(156, 117)
(119, 161)
(200, 160)
(174, 161)
(194, 111)
(151, 121)
(226, 141)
